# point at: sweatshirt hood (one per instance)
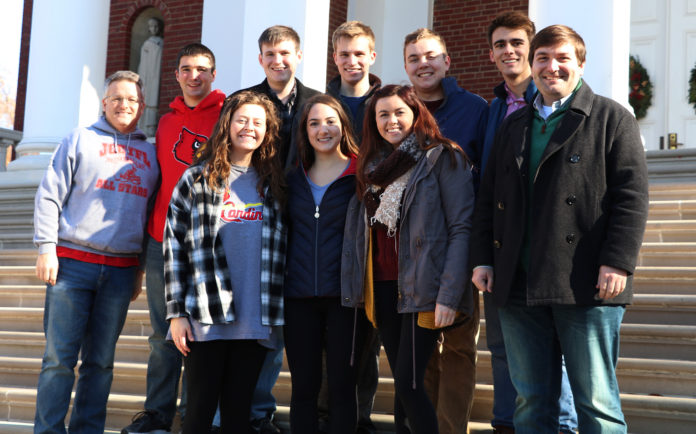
(213, 101)
(103, 125)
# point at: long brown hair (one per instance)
(265, 160)
(347, 144)
(424, 127)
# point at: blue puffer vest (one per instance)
(315, 238)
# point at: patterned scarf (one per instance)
(388, 175)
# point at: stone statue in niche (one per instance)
(149, 71)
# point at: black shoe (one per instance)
(146, 422)
(265, 426)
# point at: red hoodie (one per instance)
(179, 134)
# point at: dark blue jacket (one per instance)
(334, 89)
(496, 114)
(315, 238)
(462, 118)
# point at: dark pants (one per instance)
(224, 370)
(408, 349)
(312, 324)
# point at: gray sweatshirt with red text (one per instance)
(94, 195)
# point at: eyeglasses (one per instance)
(118, 100)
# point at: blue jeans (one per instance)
(263, 403)
(504, 393)
(588, 337)
(84, 313)
(164, 363)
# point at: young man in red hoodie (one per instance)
(180, 133)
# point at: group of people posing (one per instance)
(281, 219)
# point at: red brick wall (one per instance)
(338, 14)
(463, 25)
(23, 66)
(182, 25)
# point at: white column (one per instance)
(605, 26)
(232, 30)
(67, 63)
(391, 21)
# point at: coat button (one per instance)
(575, 158)
(571, 199)
(497, 244)
(570, 238)
(501, 205)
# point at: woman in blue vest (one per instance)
(319, 190)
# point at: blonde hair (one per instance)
(353, 29)
(424, 33)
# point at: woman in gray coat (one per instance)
(406, 241)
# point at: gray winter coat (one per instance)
(433, 235)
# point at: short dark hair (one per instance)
(277, 34)
(196, 49)
(511, 20)
(558, 34)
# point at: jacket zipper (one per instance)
(316, 251)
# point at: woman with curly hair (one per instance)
(405, 250)
(224, 252)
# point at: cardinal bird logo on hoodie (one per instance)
(239, 212)
(188, 145)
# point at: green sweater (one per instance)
(541, 132)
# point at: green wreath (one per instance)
(640, 88)
(692, 87)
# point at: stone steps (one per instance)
(30, 319)
(672, 209)
(34, 296)
(670, 231)
(648, 341)
(667, 255)
(672, 191)
(657, 354)
(665, 280)
(651, 377)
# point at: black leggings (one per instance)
(408, 346)
(224, 371)
(311, 325)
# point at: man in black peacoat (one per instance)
(557, 229)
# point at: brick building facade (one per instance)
(462, 23)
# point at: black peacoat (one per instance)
(589, 208)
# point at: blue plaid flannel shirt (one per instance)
(197, 280)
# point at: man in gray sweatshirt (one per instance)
(89, 218)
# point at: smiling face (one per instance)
(510, 52)
(324, 129)
(353, 58)
(122, 105)
(247, 130)
(556, 71)
(426, 65)
(279, 62)
(195, 75)
(394, 119)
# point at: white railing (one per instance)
(8, 138)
